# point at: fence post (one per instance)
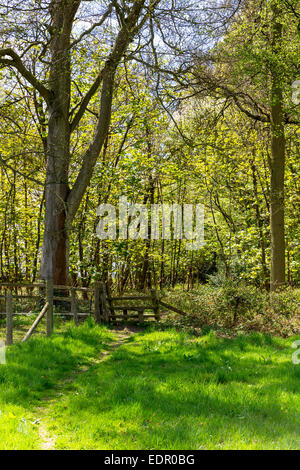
(49, 300)
(125, 313)
(155, 302)
(104, 297)
(107, 296)
(74, 306)
(97, 304)
(9, 318)
(141, 315)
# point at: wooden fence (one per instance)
(47, 294)
(105, 307)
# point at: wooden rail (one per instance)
(36, 322)
(132, 310)
(48, 293)
(173, 309)
(106, 307)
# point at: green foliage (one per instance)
(223, 162)
(235, 306)
(240, 298)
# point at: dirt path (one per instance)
(48, 441)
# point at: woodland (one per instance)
(180, 103)
(176, 102)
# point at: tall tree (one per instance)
(41, 50)
(252, 68)
(61, 201)
(277, 164)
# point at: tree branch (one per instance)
(17, 63)
(85, 101)
(95, 25)
(124, 37)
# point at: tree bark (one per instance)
(277, 163)
(260, 226)
(62, 203)
(54, 263)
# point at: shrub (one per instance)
(238, 307)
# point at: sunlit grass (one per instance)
(167, 390)
(160, 390)
(33, 370)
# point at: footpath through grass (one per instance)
(33, 371)
(158, 390)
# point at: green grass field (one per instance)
(157, 390)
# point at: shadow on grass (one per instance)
(36, 367)
(173, 393)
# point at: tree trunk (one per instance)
(61, 203)
(260, 226)
(54, 263)
(277, 162)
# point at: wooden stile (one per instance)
(106, 307)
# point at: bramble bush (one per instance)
(239, 307)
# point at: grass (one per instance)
(32, 372)
(159, 390)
